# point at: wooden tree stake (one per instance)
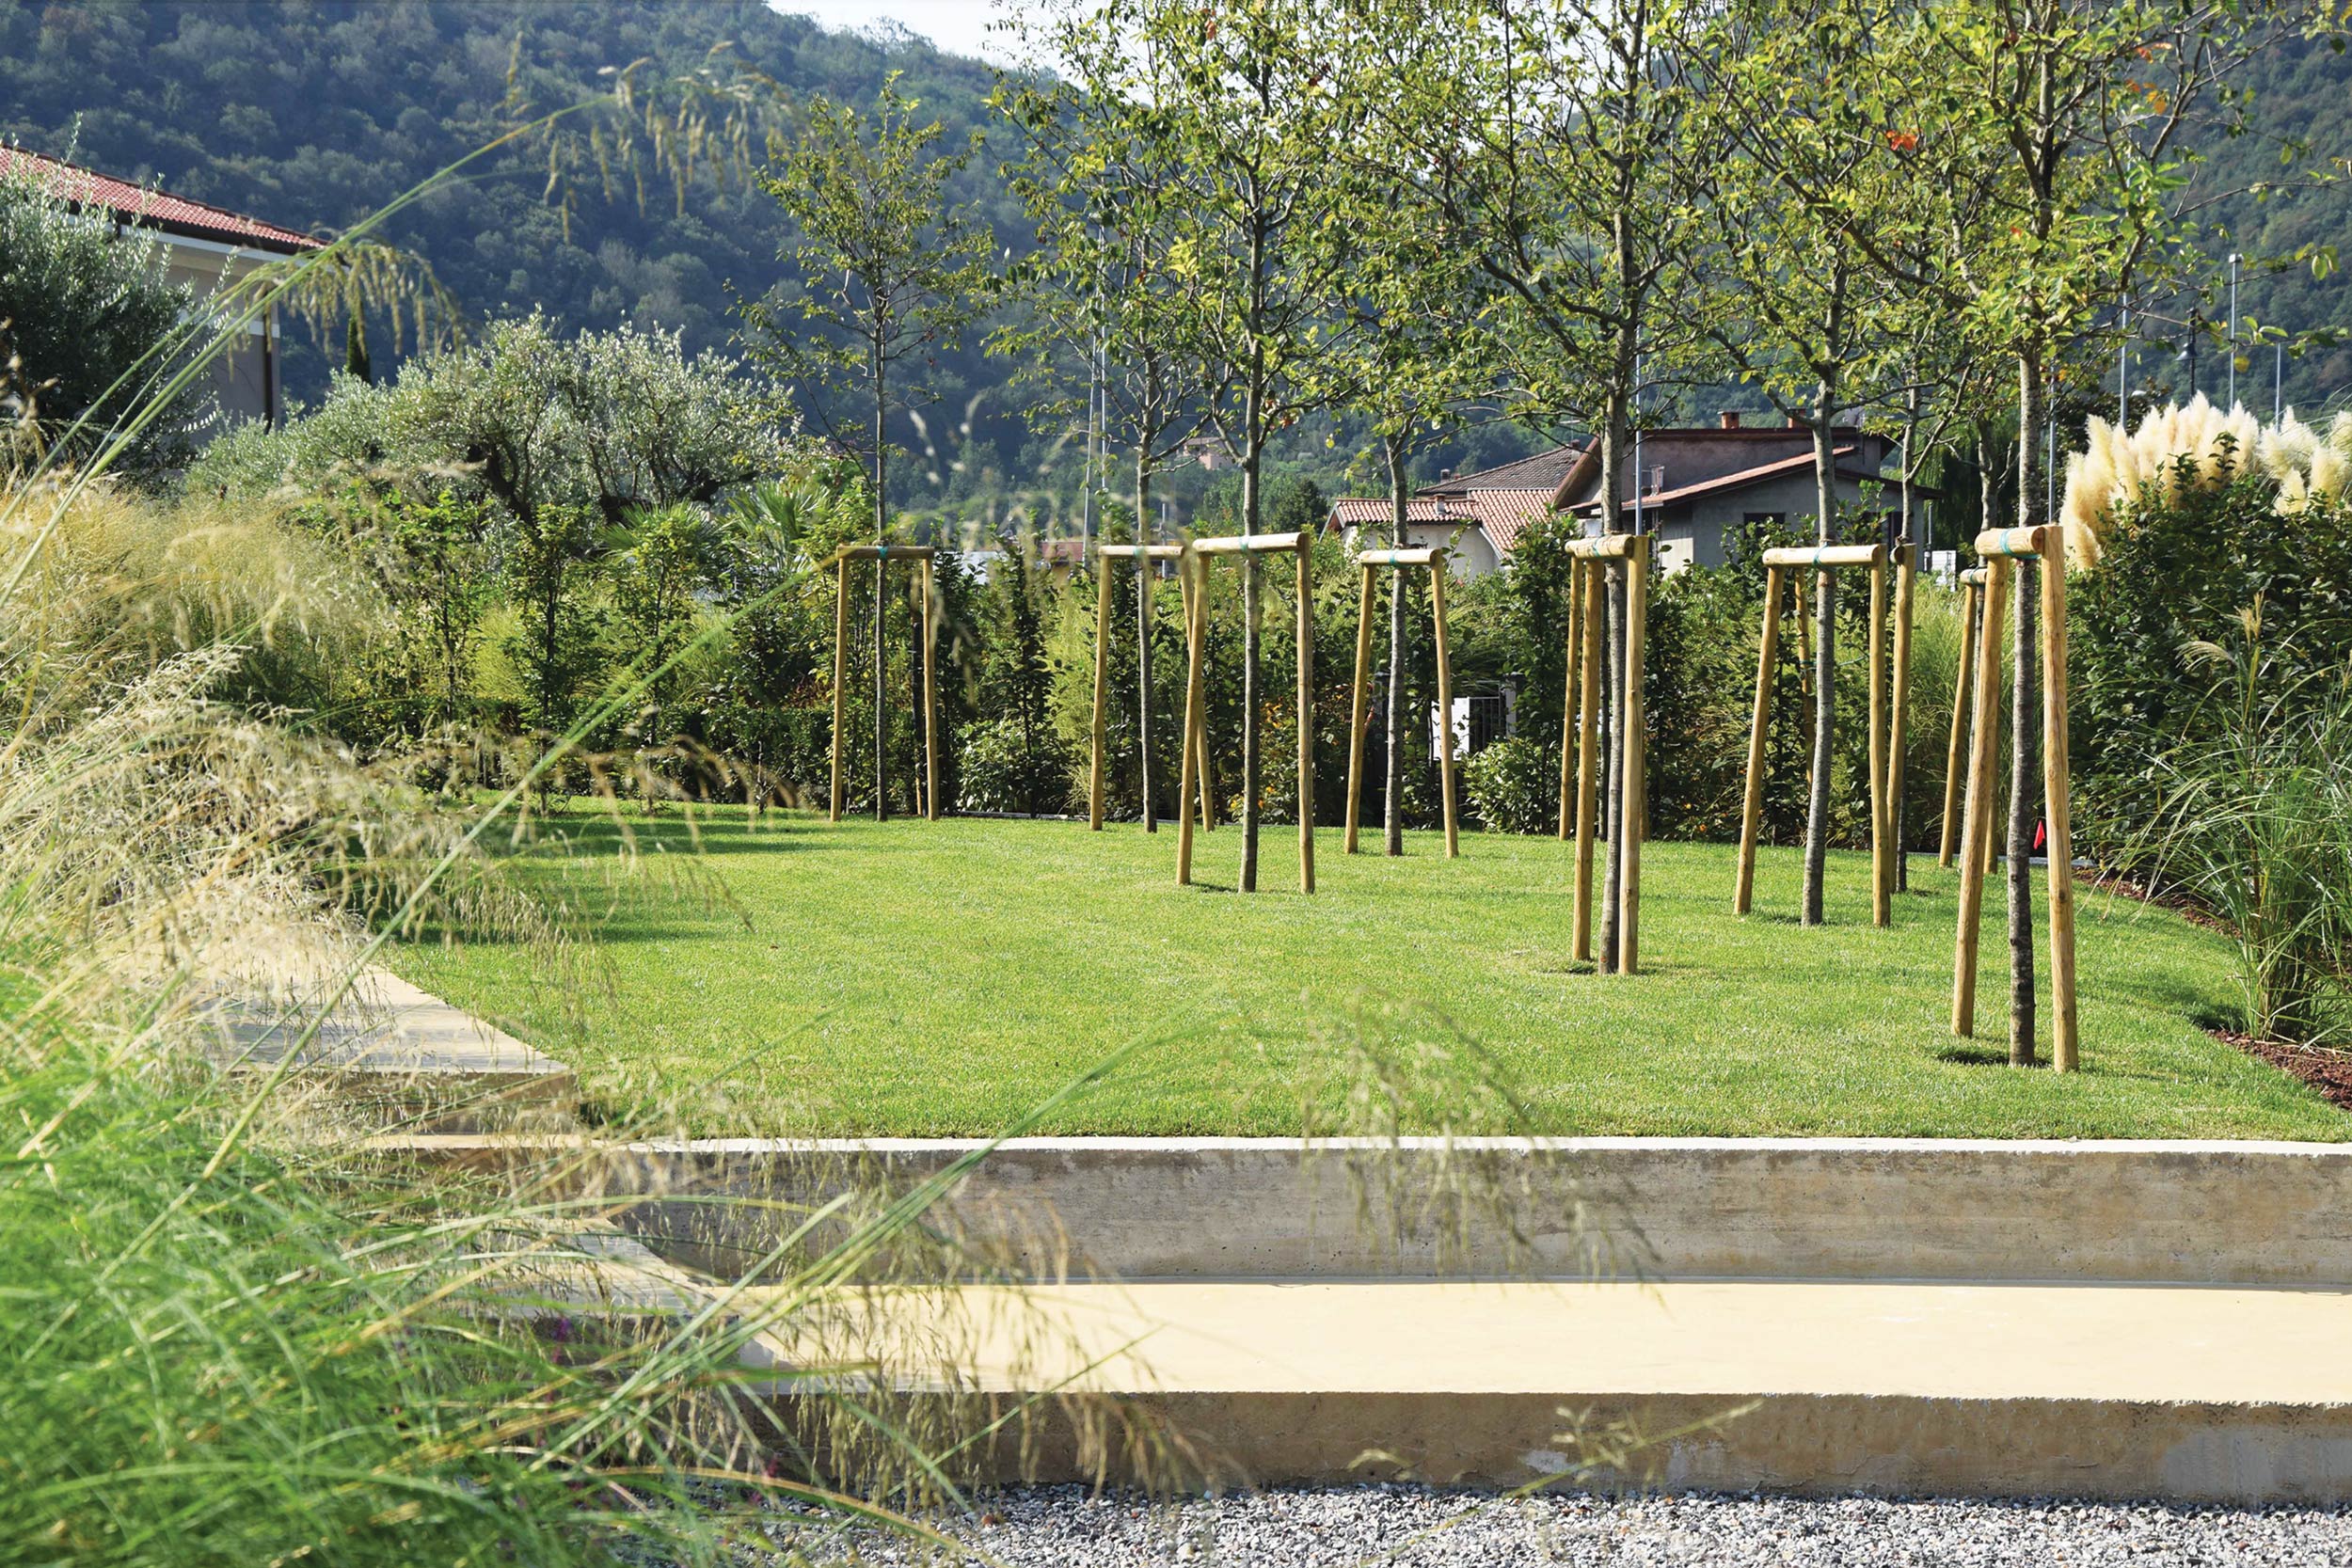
(1306, 715)
(1636, 784)
(1192, 750)
(1567, 700)
(1752, 804)
(1587, 757)
(840, 650)
(1792, 564)
(1633, 550)
(1195, 627)
(931, 699)
(1906, 585)
(1356, 706)
(1976, 855)
(1955, 754)
(1999, 549)
(1196, 726)
(2058, 799)
(881, 555)
(1102, 687)
(1445, 707)
(1434, 558)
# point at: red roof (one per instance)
(1502, 516)
(155, 209)
(1374, 511)
(1739, 480)
(1542, 472)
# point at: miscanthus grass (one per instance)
(231, 1331)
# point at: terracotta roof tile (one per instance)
(1542, 472)
(1738, 481)
(1372, 511)
(1501, 515)
(151, 207)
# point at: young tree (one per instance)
(1237, 113)
(892, 272)
(2064, 119)
(1100, 282)
(1809, 321)
(1539, 139)
(1418, 358)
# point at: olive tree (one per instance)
(889, 270)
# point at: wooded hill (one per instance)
(317, 112)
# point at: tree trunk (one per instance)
(1614, 420)
(1904, 536)
(881, 566)
(2025, 723)
(1824, 653)
(1253, 456)
(1145, 566)
(1250, 608)
(1394, 794)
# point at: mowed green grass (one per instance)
(797, 979)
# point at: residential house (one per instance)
(206, 248)
(1699, 488)
(1478, 517)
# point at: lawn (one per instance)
(943, 979)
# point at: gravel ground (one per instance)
(1418, 1528)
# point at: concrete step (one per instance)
(407, 1054)
(1828, 1388)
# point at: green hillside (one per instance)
(2300, 92)
(316, 112)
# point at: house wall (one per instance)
(1473, 554)
(1693, 532)
(245, 377)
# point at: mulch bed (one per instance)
(2328, 1071)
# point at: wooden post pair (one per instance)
(1591, 558)
(920, 556)
(1889, 715)
(2000, 549)
(1198, 555)
(1955, 751)
(1144, 555)
(1369, 561)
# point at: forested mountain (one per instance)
(2300, 100)
(317, 112)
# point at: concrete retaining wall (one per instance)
(2244, 1214)
(1807, 1445)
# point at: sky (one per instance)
(960, 26)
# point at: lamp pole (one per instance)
(2232, 339)
(2124, 373)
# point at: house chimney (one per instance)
(1730, 417)
(1795, 423)
(1444, 474)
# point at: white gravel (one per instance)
(1418, 1528)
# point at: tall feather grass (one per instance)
(2256, 827)
(235, 1333)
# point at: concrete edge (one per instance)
(2181, 1213)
